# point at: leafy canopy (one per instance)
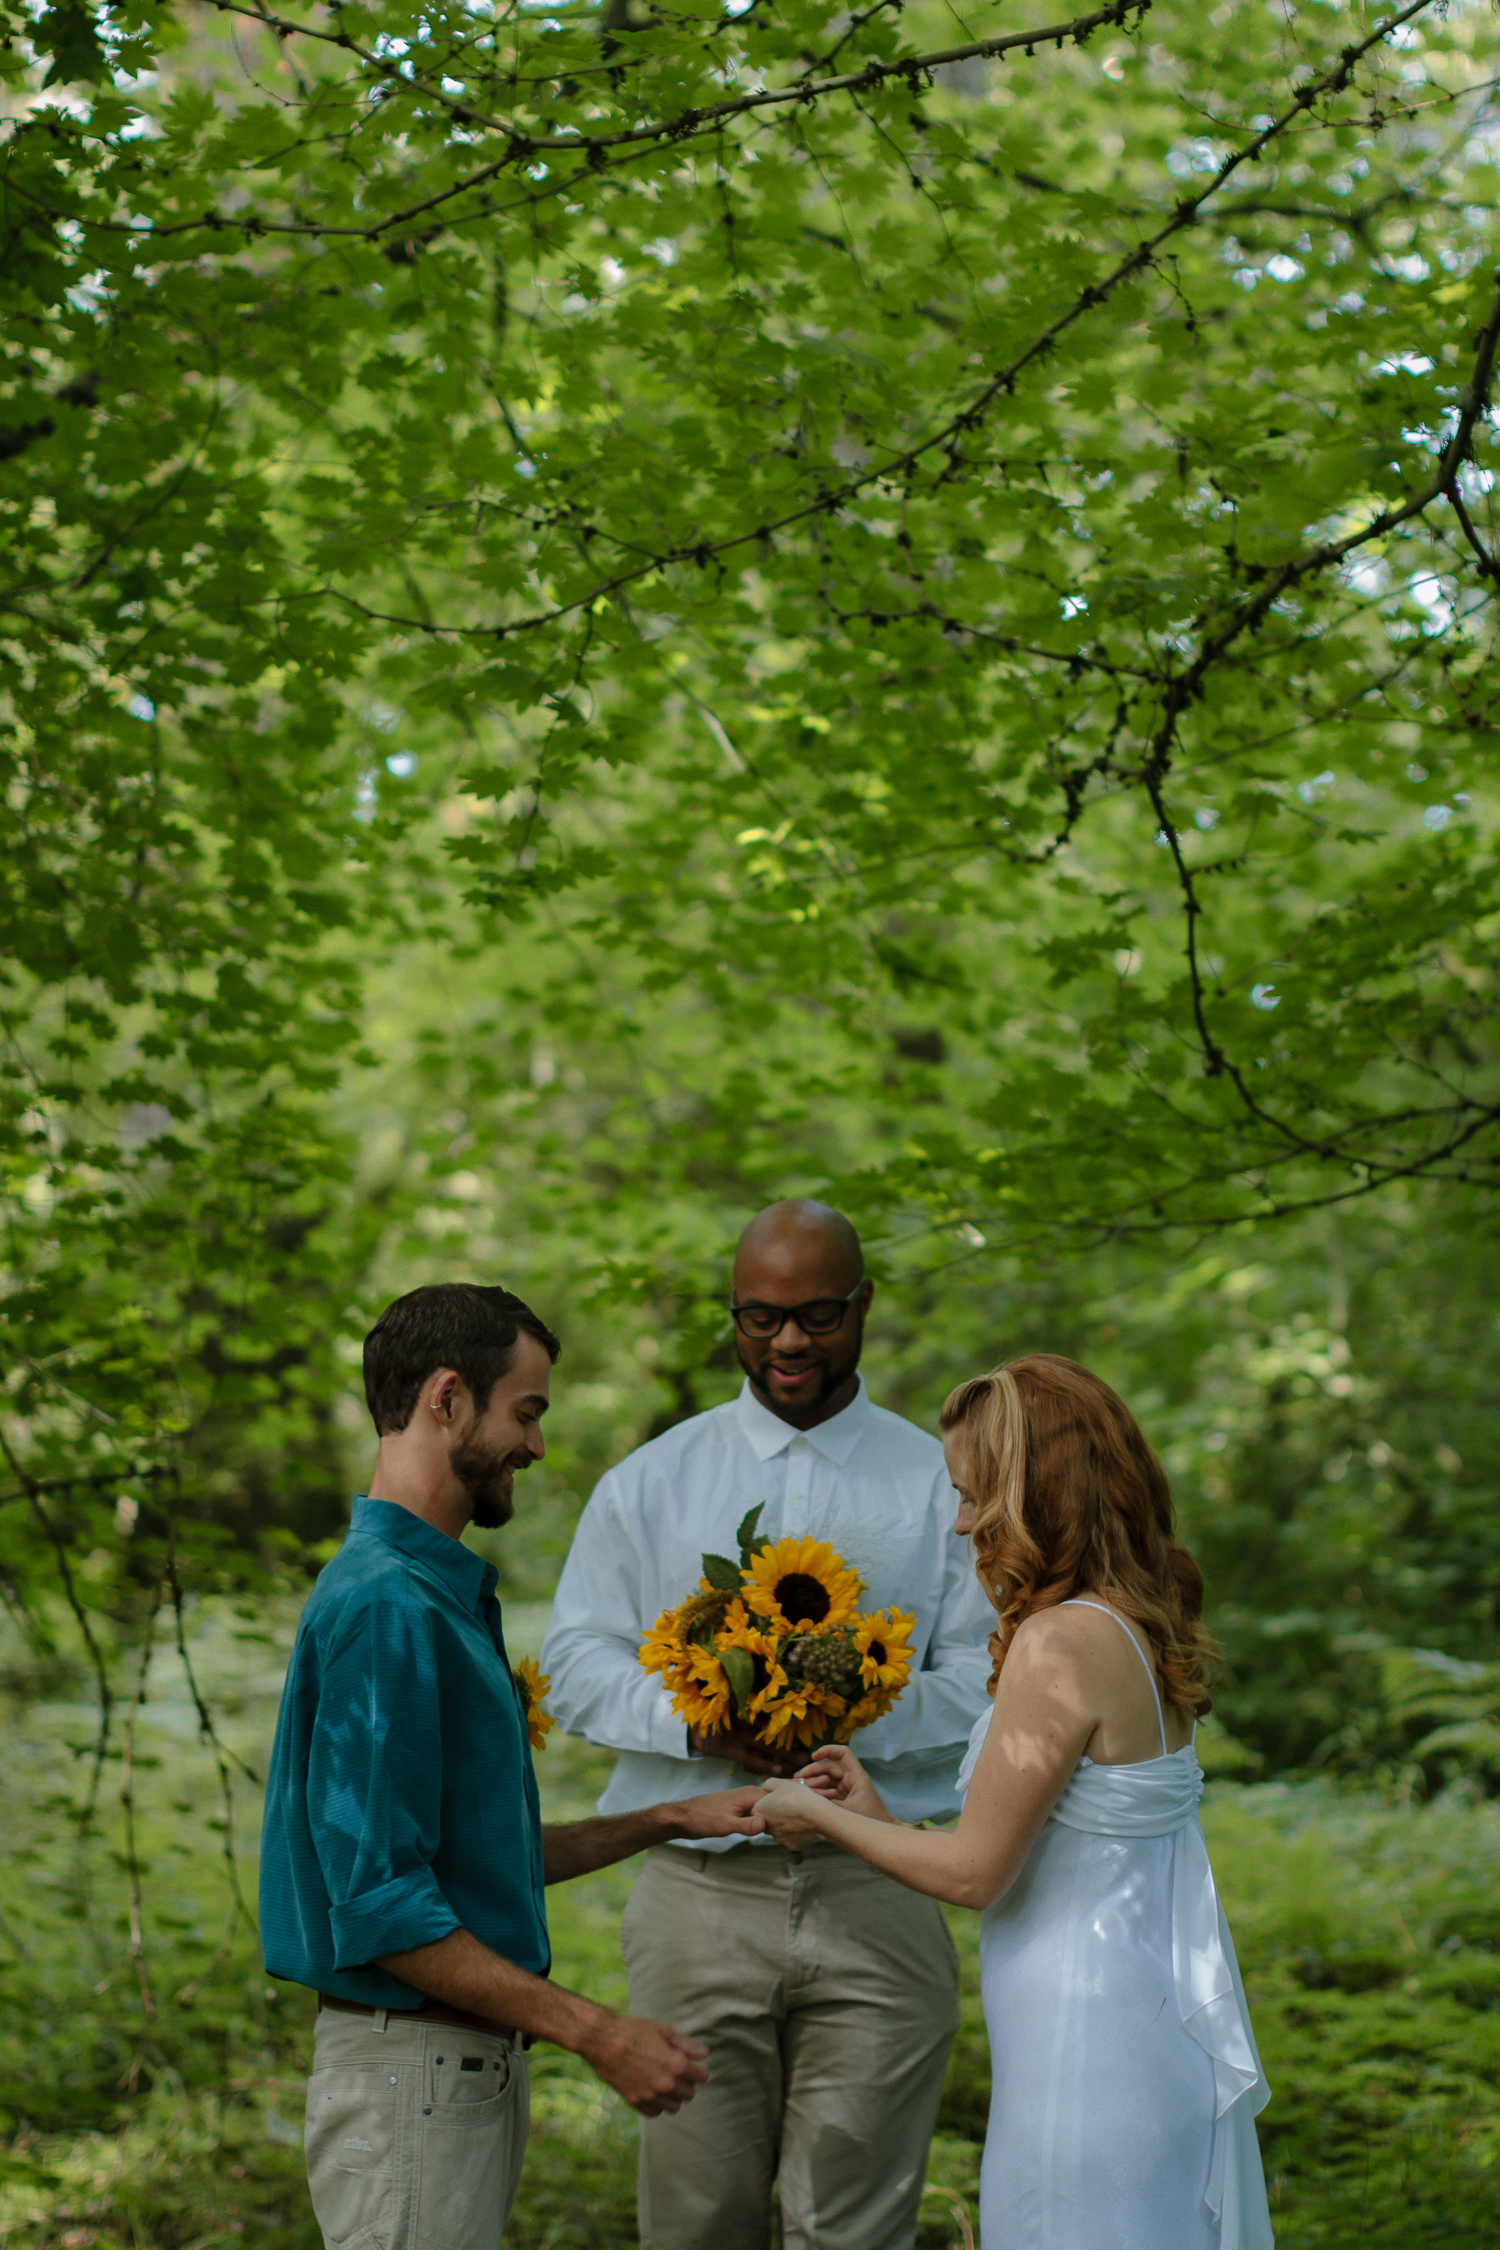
(929, 579)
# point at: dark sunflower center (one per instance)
(802, 1600)
(877, 1650)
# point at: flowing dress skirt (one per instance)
(1125, 2077)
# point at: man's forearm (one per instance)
(577, 1847)
(653, 2067)
(463, 1973)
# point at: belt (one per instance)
(434, 2011)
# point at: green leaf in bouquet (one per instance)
(739, 1671)
(722, 1574)
(747, 1535)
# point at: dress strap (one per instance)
(1078, 1602)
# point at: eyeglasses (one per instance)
(820, 1318)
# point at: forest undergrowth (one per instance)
(1369, 1933)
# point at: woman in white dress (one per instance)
(1125, 2074)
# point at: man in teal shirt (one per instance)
(403, 1858)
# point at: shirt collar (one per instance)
(835, 1439)
(470, 1576)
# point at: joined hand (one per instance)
(724, 1812)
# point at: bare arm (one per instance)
(579, 1846)
(1045, 1715)
(651, 2066)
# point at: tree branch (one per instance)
(1001, 384)
(690, 124)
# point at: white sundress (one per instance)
(1125, 2074)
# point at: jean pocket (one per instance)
(351, 2152)
(468, 2160)
(462, 2079)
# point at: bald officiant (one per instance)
(826, 1994)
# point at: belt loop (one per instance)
(382, 2017)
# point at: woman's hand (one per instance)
(835, 1773)
(791, 1812)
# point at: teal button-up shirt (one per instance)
(401, 1802)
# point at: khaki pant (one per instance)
(415, 2133)
(827, 1997)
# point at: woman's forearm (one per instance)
(938, 1862)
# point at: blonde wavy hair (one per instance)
(1070, 1499)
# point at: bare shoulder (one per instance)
(1054, 1638)
(1072, 1639)
(1068, 1626)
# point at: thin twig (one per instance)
(692, 124)
(126, 1475)
(137, 1949)
(209, 1734)
(96, 1655)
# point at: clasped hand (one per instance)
(794, 1812)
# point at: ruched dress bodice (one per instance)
(1125, 2074)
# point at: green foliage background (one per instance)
(610, 614)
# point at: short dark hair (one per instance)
(453, 1324)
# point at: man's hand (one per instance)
(743, 1747)
(649, 2065)
(726, 1812)
(654, 2067)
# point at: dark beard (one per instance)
(487, 1478)
(832, 1376)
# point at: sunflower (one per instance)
(676, 1631)
(882, 1644)
(702, 1692)
(800, 1714)
(533, 1684)
(740, 1630)
(801, 1582)
(662, 1648)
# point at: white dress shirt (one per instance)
(872, 1485)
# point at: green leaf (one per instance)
(749, 1545)
(724, 1576)
(66, 33)
(739, 1671)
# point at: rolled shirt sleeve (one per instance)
(375, 1786)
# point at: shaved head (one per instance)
(800, 1225)
(802, 1254)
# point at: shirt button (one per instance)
(393, 2078)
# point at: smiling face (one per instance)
(790, 1257)
(485, 1450)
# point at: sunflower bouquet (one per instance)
(777, 1642)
